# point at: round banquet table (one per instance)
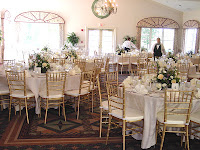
(150, 105)
(37, 83)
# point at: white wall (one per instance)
(78, 14)
(191, 15)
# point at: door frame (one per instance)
(100, 28)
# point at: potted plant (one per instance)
(73, 39)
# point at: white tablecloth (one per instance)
(38, 83)
(150, 105)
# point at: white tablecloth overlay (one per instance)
(150, 105)
(38, 84)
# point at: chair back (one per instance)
(183, 67)
(152, 67)
(85, 81)
(16, 82)
(98, 63)
(112, 77)
(107, 64)
(9, 62)
(81, 63)
(116, 98)
(178, 103)
(61, 61)
(55, 83)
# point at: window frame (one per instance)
(100, 28)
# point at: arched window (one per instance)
(34, 30)
(149, 29)
(191, 30)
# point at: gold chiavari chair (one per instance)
(4, 91)
(112, 77)
(9, 62)
(81, 63)
(112, 61)
(139, 71)
(195, 124)
(83, 91)
(124, 61)
(61, 61)
(98, 63)
(183, 68)
(119, 111)
(19, 94)
(176, 113)
(53, 95)
(152, 68)
(104, 71)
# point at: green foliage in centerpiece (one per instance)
(170, 55)
(40, 60)
(133, 39)
(71, 54)
(190, 53)
(1, 36)
(120, 50)
(72, 38)
(166, 75)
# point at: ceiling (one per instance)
(181, 5)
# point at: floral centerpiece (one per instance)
(166, 74)
(170, 55)
(120, 50)
(41, 60)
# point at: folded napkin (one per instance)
(128, 82)
(194, 82)
(139, 88)
(197, 95)
(72, 72)
(77, 70)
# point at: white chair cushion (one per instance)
(55, 94)
(171, 119)
(131, 114)
(75, 93)
(195, 117)
(124, 63)
(20, 94)
(191, 76)
(4, 90)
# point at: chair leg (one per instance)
(157, 129)
(26, 110)
(92, 100)
(1, 98)
(124, 134)
(79, 98)
(20, 111)
(74, 104)
(100, 125)
(187, 137)
(59, 110)
(47, 105)
(108, 131)
(64, 109)
(163, 136)
(10, 108)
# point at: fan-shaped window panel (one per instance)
(191, 39)
(39, 17)
(148, 29)
(157, 22)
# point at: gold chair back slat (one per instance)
(112, 77)
(55, 81)
(178, 103)
(16, 81)
(61, 61)
(81, 63)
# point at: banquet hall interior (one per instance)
(99, 74)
